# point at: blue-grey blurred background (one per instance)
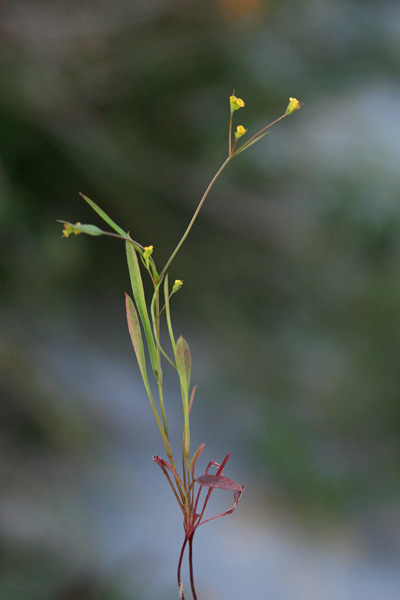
(291, 299)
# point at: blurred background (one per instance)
(290, 302)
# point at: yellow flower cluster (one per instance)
(236, 103)
(293, 105)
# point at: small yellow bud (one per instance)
(178, 283)
(240, 130)
(147, 252)
(293, 105)
(236, 103)
(69, 228)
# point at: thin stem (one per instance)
(122, 237)
(230, 134)
(158, 421)
(258, 133)
(188, 476)
(185, 483)
(155, 302)
(178, 482)
(175, 252)
(162, 406)
(186, 479)
(165, 355)
(180, 585)
(155, 315)
(233, 147)
(191, 567)
(164, 470)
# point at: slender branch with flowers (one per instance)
(145, 316)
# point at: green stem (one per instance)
(155, 314)
(164, 436)
(163, 414)
(230, 134)
(210, 185)
(256, 135)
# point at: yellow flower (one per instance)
(178, 283)
(69, 228)
(236, 103)
(240, 130)
(293, 105)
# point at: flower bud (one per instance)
(236, 103)
(178, 283)
(293, 105)
(148, 251)
(240, 130)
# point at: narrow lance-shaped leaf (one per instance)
(219, 481)
(120, 231)
(138, 293)
(184, 368)
(183, 362)
(137, 342)
(168, 314)
(250, 143)
(164, 465)
(195, 457)
(220, 471)
(104, 216)
(192, 398)
(153, 304)
(136, 336)
(223, 483)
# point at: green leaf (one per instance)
(104, 216)
(183, 362)
(184, 367)
(248, 144)
(136, 336)
(138, 294)
(168, 314)
(154, 320)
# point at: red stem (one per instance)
(191, 525)
(191, 567)
(180, 585)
